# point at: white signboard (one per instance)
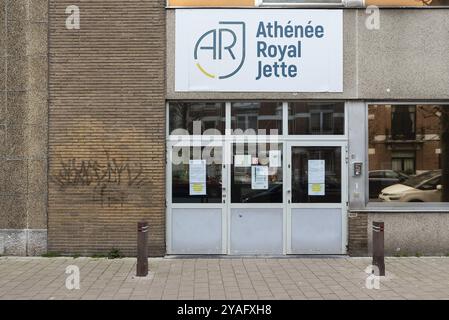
(197, 177)
(259, 178)
(316, 177)
(259, 50)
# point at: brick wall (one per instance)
(358, 236)
(107, 126)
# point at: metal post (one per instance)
(378, 247)
(142, 249)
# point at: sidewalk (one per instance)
(228, 278)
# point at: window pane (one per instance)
(305, 191)
(196, 117)
(403, 122)
(181, 188)
(257, 118)
(406, 142)
(250, 185)
(316, 118)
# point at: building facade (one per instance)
(267, 129)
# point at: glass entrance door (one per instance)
(196, 197)
(316, 198)
(257, 204)
(256, 178)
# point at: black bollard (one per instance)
(142, 249)
(378, 247)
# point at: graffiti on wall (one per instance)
(111, 181)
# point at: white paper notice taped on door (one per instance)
(316, 189)
(242, 160)
(275, 158)
(197, 177)
(316, 177)
(259, 178)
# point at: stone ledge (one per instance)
(23, 242)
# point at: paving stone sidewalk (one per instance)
(224, 278)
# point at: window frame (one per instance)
(285, 136)
(318, 137)
(397, 207)
(168, 132)
(247, 117)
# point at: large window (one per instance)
(256, 156)
(316, 118)
(257, 118)
(408, 153)
(196, 118)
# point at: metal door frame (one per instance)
(223, 205)
(226, 141)
(344, 190)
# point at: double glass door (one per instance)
(257, 199)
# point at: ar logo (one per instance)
(220, 53)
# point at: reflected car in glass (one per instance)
(272, 195)
(425, 187)
(380, 179)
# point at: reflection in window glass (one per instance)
(181, 188)
(306, 191)
(316, 118)
(436, 2)
(196, 117)
(257, 118)
(256, 175)
(403, 122)
(407, 144)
